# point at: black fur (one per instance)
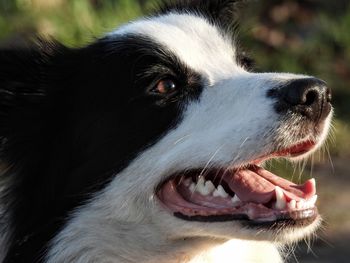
(70, 119)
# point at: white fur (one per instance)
(233, 122)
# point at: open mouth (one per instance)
(248, 193)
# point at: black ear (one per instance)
(220, 12)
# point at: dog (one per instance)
(148, 145)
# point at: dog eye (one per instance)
(165, 86)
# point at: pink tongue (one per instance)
(258, 185)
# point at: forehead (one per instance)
(196, 42)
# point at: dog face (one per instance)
(211, 156)
(157, 131)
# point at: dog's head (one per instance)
(161, 121)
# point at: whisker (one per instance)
(312, 166)
(211, 158)
(330, 160)
(208, 163)
(182, 138)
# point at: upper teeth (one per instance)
(207, 187)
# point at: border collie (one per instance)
(148, 145)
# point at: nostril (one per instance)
(311, 97)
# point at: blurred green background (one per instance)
(310, 37)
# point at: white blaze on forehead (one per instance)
(195, 41)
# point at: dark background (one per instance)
(310, 37)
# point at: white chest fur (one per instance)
(240, 251)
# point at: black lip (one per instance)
(212, 218)
(289, 219)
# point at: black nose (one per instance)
(308, 97)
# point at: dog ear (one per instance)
(220, 12)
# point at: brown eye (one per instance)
(165, 86)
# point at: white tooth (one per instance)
(235, 200)
(292, 204)
(307, 205)
(192, 187)
(200, 181)
(200, 185)
(220, 192)
(301, 204)
(216, 193)
(281, 202)
(210, 186)
(203, 187)
(313, 200)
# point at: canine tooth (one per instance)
(220, 191)
(281, 202)
(292, 204)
